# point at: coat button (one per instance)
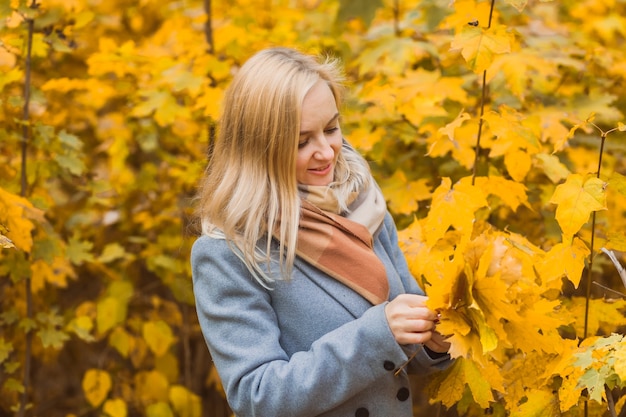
(403, 394)
(361, 412)
(389, 366)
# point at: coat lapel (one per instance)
(351, 301)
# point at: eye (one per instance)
(331, 130)
(303, 143)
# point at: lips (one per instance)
(324, 168)
(321, 171)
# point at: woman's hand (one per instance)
(437, 343)
(411, 322)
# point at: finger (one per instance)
(422, 313)
(413, 338)
(414, 300)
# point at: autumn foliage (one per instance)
(495, 129)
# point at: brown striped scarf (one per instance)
(342, 246)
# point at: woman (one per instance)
(303, 296)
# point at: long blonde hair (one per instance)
(249, 185)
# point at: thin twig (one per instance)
(483, 98)
(23, 190)
(609, 289)
(610, 401)
(591, 256)
(208, 27)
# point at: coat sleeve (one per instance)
(422, 362)
(242, 333)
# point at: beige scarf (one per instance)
(342, 245)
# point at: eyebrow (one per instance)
(332, 119)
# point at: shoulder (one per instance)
(207, 244)
(209, 254)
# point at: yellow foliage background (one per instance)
(495, 129)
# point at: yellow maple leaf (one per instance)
(479, 46)
(524, 372)
(521, 67)
(96, 386)
(569, 393)
(449, 385)
(14, 219)
(540, 402)
(403, 194)
(552, 167)
(518, 164)
(209, 101)
(453, 207)
(412, 244)
(576, 199)
(512, 130)
(365, 137)
(566, 259)
(461, 146)
(511, 193)
(56, 273)
(603, 314)
(468, 11)
(420, 94)
(449, 129)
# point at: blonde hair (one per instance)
(249, 185)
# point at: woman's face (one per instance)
(320, 137)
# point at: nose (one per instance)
(324, 151)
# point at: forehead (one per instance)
(319, 105)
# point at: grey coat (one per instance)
(309, 346)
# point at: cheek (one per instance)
(336, 145)
(301, 163)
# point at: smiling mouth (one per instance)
(321, 169)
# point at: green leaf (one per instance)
(593, 382)
(617, 182)
(112, 252)
(9, 317)
(70, 140)
(79, 251)
(52, 337)
(362, 9)
(518, 4)
(46, 249)
(122, 290)
(71, 162)
(5, 9)
(5, 349)
(82, 327)
(13, 384)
